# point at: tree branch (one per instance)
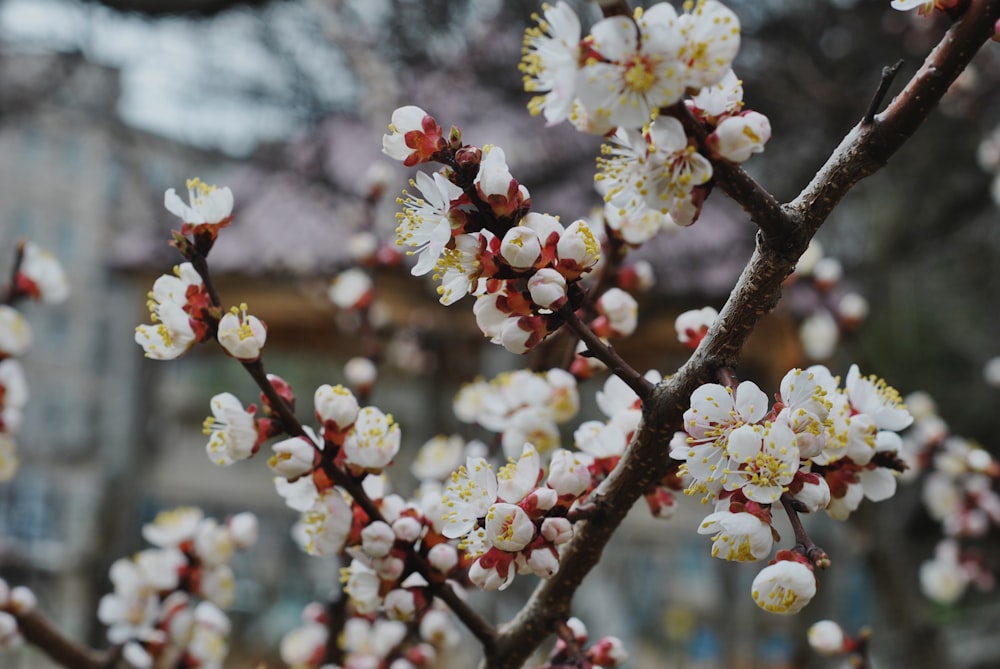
(39, 632)
(863, 151)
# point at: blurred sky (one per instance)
(192, 79)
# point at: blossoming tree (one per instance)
(659, 86)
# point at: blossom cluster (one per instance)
(959, 491)
(168, 601)
(182, 309)
(621, 78)
(605, 653)
(369, 643)
(37, 276)
(820, 447)
(470, 224)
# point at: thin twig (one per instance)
(888, 74)
(606, 354)
(13, 292)
(803, 543)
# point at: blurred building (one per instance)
(73, 179)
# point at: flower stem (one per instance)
(803, 544)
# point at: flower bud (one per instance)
(508, 527)
(736, 138)
(242, 335)
(493, 570)
(608, 652)
(826, 637)
(377, 539)
(22, 600)
(292, 457)
(336, 407)
(361, 373)
(520, 247)
(784, 587)
(400, 604)
(547, 288)
(243, 530)
(414, 136)
(620, 310)
(407, 528)
(443, 557)
(557, 530)
(568, 473)
(389, 568)
(543, 562)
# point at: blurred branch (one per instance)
(158, 8)
(863, 151)
(39, 632)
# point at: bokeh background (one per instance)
(104, 105)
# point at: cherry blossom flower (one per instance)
(741, 537)
(549, 61)
(716, 411)
(351, 289)
(10, 634)
(327, 523)
(373, 441)
(232, 431)
(659, 168)
(304, 646)
(497, 187)
(923, 7)
(242, 335)
(336, 408)
(827, 637)
(736, 138)
(293, 457)
(508, 527)
(516, 479)
(762, 461)
(722, 99)
(16, 335)
(785, 586)
(459, 268)
(13, 394)
(424, 223)
(634, 66)
(467, 498)
(871, 395)
(693, 325)
(711, 33)
(210, 206)
(414, 136)
(944, 579)
(172, 527)
(548, 288)
(361, 373)
(177, 305)
(620, 314)
(41, 276)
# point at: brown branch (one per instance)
(862, 152)
(888, 74)
(39, 632)
(13, 293)
(606, 354)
